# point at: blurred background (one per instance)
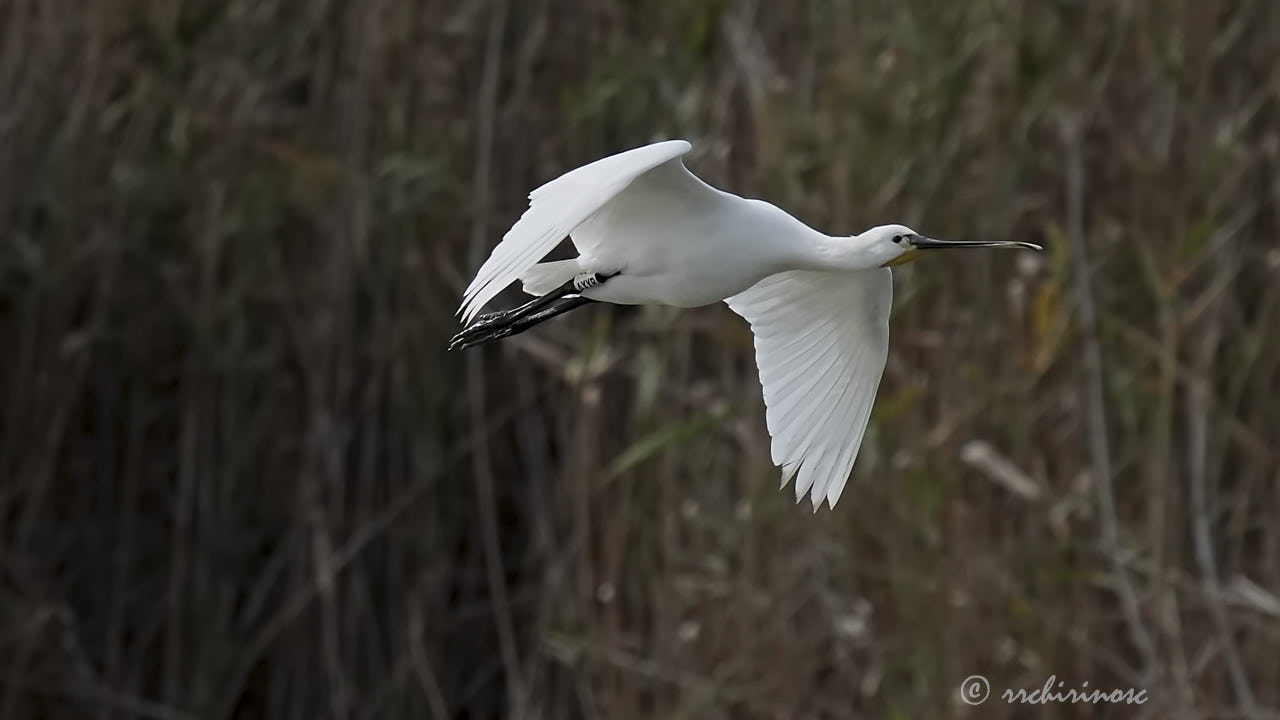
(240, 476)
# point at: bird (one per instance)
(650, 232)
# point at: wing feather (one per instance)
(555, 210)
(842, 461)
(816, 473)
(821, 342)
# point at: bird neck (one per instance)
(849, 252)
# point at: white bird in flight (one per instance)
(649, 232)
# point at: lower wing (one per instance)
(821, 342)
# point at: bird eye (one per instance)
(897, 238)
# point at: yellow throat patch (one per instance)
(905, 257)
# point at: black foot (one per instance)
(485, 320)
(473, 336)
(478, 328)
(482, 330)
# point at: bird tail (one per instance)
(545, 277)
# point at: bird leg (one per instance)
(505, 323)
(519, 325)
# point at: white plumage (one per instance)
(650, 232)
(557, 209)
(819, 375)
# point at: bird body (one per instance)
(674, 240)
(648, 231)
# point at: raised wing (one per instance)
(555, 209)
(821, 342)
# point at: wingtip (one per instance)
(817, 498)
(683, 145)
(467, 312)
(789, 471)
(833, 495)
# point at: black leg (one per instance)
(488, 320)
(519, 325)
(490, 326)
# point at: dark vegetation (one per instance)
(241, 477)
